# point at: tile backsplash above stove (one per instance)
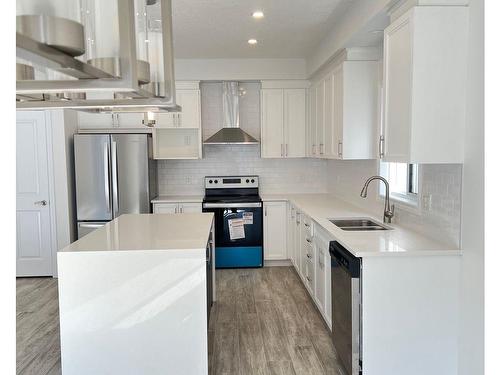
(276, 175)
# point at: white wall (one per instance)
(471, 342)
(63, 124)
(440, 220)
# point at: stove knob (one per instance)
(248, 180)
(253, 180)
(216, 181)
(210, 181)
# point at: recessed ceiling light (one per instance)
(258, 14)
(252, 41)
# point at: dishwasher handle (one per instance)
(350, 263)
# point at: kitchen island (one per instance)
(133, 296)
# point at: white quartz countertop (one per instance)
(399, 241)
(178, 199)
(148, 232)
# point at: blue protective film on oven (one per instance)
(238, 256)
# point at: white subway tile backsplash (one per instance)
(276, 175)
(439, 214)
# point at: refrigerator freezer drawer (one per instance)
(85, 228)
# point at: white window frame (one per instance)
(408, 201)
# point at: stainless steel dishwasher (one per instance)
(346, 307)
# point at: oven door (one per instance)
(238, 234)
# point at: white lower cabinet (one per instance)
(290, 230)
(176, 208)
(275, 233)
(322, 291)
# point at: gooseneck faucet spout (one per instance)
(388, 209)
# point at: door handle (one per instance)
(114, 177)
(106, 177)
(41, 203)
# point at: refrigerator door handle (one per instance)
(114, 177)
(106, 177)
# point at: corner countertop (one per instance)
(189, 231)
(178, 199)
(396, 242)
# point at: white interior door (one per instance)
(33, 237)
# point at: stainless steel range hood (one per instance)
(231, 132)
(47, 41)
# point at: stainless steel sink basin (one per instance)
(358, 224)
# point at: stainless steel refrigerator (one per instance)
(115, 174)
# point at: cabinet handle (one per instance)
(179, 120)
(309, 240)
(340, 150)
(41, 203)
(265, 211)
(307, 225)
(309, 256)
(314, 149)
(381, 146)
(286, 149)
(308, 279)
(321, 148)
(181, 209)
(282, 150)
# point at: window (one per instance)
(403, 181)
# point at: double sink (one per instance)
(358, 224)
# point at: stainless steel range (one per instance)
(237, 207)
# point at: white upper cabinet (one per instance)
(343, 112)
(295, 123)
(312, 149)
(283, 121)
(189, 98)
(272, 121)
(275, 234)
(424, 86)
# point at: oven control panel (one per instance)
(231, 182)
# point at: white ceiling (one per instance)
(221, 28)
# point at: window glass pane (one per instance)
(402, 177)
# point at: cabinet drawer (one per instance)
(310, 275)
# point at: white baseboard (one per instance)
(279, 263)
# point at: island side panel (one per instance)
(133, 312)
(410, 315)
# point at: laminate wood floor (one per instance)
(264, 322)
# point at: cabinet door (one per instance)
(272, 145)
(338, 111)
(397, 90)
(321, 264)
(329, 150)
(88, 120)
(312, 147)
(275, 230)
(165, 208)
(295, 123)
(297, 240)
(130, 120)
(189, 100)
(189, 208)
(166, 120)
(320, 118)
(290, 244)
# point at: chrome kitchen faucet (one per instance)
(388, 209)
